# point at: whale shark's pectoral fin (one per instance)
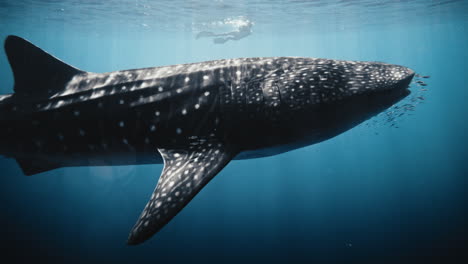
(185, 173)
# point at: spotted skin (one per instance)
(194, 118)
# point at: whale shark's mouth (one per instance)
(392, 95)
(387, 98)
(390, 104)
(406, 106)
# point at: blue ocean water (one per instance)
(383, 192)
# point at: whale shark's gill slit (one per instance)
(185, 173)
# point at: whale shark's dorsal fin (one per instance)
(36, 72)
(185, 173)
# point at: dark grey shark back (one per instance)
(194, 118)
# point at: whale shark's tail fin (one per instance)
(36, 72)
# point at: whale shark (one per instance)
(193, 118)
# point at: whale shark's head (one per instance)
(333, 81)
(331, 96)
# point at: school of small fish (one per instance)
(406, 107)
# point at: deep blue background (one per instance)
(375, 194)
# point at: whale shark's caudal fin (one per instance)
(185, 173)
(36, 72)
